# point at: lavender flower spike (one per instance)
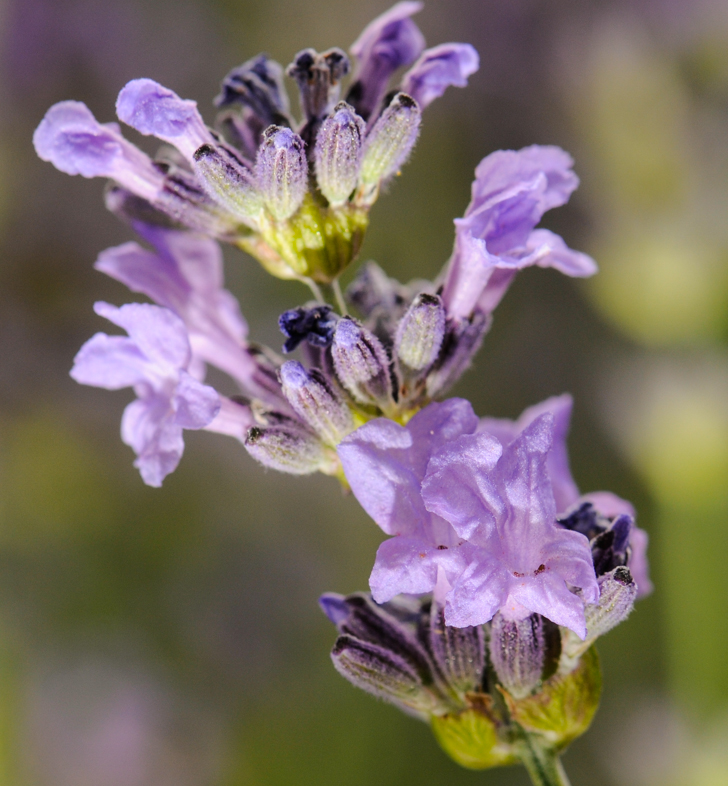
(71, 139)
(153, 360)
(152, 109)
(388, 42)
(439, 68)
(497, 236)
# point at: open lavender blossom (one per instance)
(497, 235)
(470, 517)
(154, 359)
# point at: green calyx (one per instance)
(497, 730)
(317, 243)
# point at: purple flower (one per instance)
(473, 521)
(388, 42)
(71, 138)
(437, 69)
(154, 110)
(154, 360)
(565, 490)
(497, 236)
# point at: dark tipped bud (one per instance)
(317, 76)
(338, 153)
(391, 140)
(459, 653)
(383, 674)
(257, 85)
(362, 364)
(282, 171)
(420, 333)
(287, 449)
(314, 400)
(228, 180)
(314, 325)
(521, 651)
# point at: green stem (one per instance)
(542, 762)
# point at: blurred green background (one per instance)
(171, 637)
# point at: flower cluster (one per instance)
(497, 575)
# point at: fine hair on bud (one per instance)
(391, 140)
(362, 364)
(338, 153)
(282, 171)
(420, 333)
(228, 180)
(286, 448)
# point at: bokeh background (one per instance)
(155, 637)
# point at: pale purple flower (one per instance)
(185, 274)
(153, 109)
(71, 138)
(437, 69)
(154, 359)
(565, 490)
(497, 236)
(388, 42)
(468, 517)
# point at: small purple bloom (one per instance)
(511, 192)
(154, 360)
(71, 139)
(388, 42)
(154, 110)
(472, 521)
(439, 68)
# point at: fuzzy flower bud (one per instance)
(361, 364)
(313, 398)
(287, 448)
(391, 140)
(228, 180)
(338, 153)
(420, 333)
(521, 650)
(282, 171)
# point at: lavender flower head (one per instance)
(472, 520)
(154, 360)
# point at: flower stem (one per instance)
(542, 762)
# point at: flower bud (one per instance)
(391, 140)
(610, 548)
(313, 398)
(282, 171)
(361, 364)
(315, 325)
(384, 674)
(228, 180)
(286, 448)
(257, 85)
(521, 650)
(420, 333)
(338, 154)
(318, 76)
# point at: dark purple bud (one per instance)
(522, 651)
(420, 333)
(318, 76)
(463, 338)
(437, 69)
(257, 85)
(229, 181)
(362, 364)
(314, 400)
(389, 42)
(282, 171)
(383, 674)
(585, 520)
(459, 653)
(338, 154)
(610, 548)
(391, 140)
(287, 448)
(314, 325)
